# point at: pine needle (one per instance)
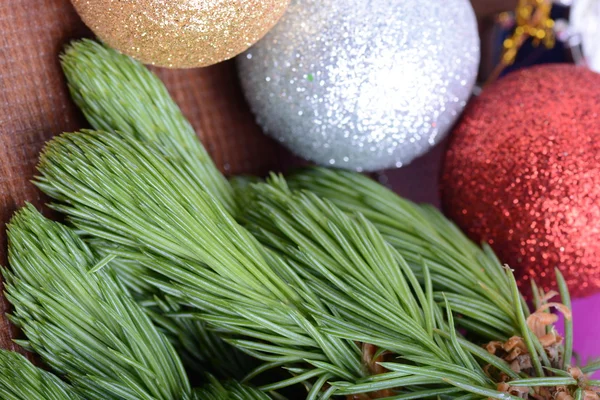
(526, 333)
(566, 301)
(21, 380)
(591, 367)
(84, 325)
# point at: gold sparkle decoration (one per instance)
(532, 20)
(180, 33)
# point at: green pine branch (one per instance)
(141, 200)
(308, 320)
(201, 350)
(144, 109)
(231, 390)
(473, 279)
(327, 282)
(373, 294)
(117, 93)
(83, 323)
(21, 380)
(355, 294)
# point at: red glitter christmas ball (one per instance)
(522, 172)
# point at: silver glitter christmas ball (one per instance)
(363, 85)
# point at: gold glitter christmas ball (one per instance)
(180, 33)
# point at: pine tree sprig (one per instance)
(118, 93)
(201, 349)
(420, 232)
(358, 293)
(144, 110)
(139, 199)
(304, 228)
(21, 380)
(230, 390)
(85, 325)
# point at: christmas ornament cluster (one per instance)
(165, 280)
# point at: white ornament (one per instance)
(585, 23)
(363, 85)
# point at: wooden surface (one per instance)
(35, 105)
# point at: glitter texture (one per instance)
(180, 33)
(360, 84)
(523, 173)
